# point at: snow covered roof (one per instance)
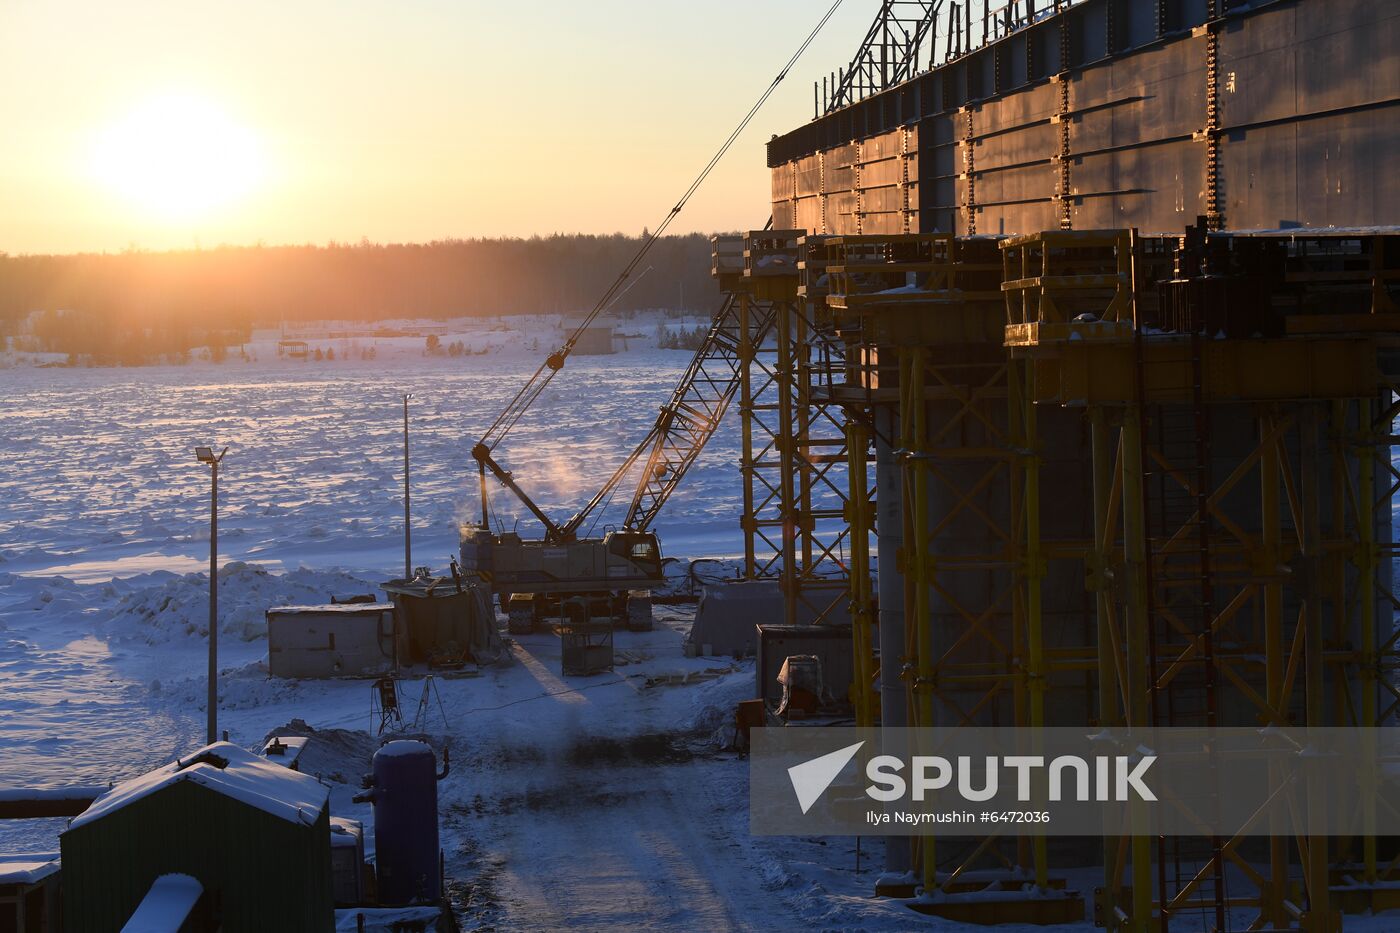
(27, 869)
(166, 906)
(229, 770)
(346, 832)
(331, 609)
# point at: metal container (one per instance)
(347, 862)
(406, 823)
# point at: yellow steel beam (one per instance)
(1086, 372)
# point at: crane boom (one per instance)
(686, 422)
(697, 407)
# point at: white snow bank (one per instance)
(179, 606)
(229, 770)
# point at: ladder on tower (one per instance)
(1182, 638)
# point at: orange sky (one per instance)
(174, 124)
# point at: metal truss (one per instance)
(889, 54)
(903, 41)
(794, 455)
(689, 419)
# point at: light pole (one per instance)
(407, 525)
(206, 455)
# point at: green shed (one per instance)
(254, 834)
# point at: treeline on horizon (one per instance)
(234, 288)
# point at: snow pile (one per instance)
(43, 594)
(178, 607)
(339, 755)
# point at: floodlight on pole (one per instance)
(206, 455)
(407, 521)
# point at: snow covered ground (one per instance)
(604, 802)
(595, 803)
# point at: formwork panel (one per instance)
(938, 130)
(1261, 187)
(842, 156)
(838, 178)
(884, 146)
(841, 203)
(1346, 184)
(1026, 105)
(809, 176)
(808, 214)
(783, 181)
(1023, 183)
(1259, 79)
(941, 161)
(1026, 143)
(1161, 93)
(1158, 189)
(884, 172)
(1341, 61)
(883, 199)
(882, 223)
(784, 214)
(1013, 218)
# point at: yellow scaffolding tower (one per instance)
(1288, 634)
(1216, 505)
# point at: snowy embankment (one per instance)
(102, 681)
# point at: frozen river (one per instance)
(100, 476)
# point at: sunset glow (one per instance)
(178, 157)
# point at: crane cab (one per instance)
(638, 551)
(535, 577)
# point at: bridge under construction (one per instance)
(1068, 376)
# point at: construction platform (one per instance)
(1091, 478)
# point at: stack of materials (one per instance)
(445, 622)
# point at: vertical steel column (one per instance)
(1338, 444)
(915, 415)
(1136, 640)
(786, 442)
(1365, 451)
(804, 521)
(1102, 456)
(1033, 572)
(1315, 874)
(890, 580)
(861, 520)
(1275, 660)
(746, 465)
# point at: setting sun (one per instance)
(178, 156)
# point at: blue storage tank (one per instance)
(406, 823)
